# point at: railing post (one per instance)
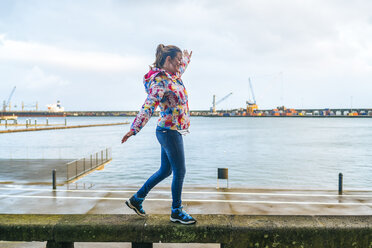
(141, 245)
(54, 179)
(96, 158)
(340, 179)
(76, 168)
(102, 157)
(91, 161)
(106, 154)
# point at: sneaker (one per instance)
(135, 203)
(179, 215)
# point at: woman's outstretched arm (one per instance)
(185, 61)
(156, 93)
(126, 136)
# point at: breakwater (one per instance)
(336, 112)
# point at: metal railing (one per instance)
(86, 164)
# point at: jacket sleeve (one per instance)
(156, 93)
(185, 63)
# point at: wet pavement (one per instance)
(25, 199)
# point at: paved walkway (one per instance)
(42, 199)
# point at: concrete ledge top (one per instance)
(208, 229)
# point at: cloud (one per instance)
(323, 48)
(37, 79)
(38, 53)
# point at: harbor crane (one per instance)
(7, 103)
(213, 108)
(251, 103)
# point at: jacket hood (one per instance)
(149, 77)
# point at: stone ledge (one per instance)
(232, 230)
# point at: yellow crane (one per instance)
(251, 103)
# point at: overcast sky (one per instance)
(92, 55)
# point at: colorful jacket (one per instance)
(168, 92)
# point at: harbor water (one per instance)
(288, 153)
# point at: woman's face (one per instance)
(173, 65)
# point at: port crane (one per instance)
(214, 103)
(251, 103)
(7, 103)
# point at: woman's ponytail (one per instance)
(159, 61)
(159, 49)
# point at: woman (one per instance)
(165, 89)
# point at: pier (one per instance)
(58, 126)
(39, 171)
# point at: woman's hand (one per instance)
(126, 136)
(187, 54)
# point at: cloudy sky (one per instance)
(92, 55)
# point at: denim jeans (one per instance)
(172, 160)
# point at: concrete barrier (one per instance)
(228, 230)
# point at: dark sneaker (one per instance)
(135, 203)
(179, 215)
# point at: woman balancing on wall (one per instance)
(165, 89)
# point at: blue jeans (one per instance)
(172, 160)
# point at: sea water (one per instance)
(291, 153)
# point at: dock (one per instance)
(59, 126)
(8, 117)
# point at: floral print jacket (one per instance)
(168, 92)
